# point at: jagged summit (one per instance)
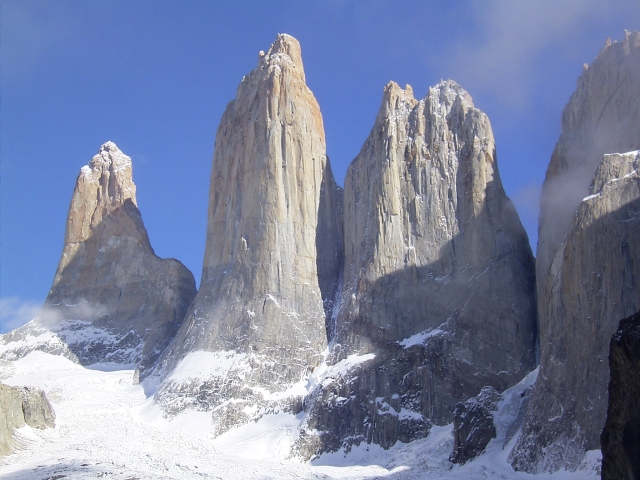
(437, 299)
(284, 51)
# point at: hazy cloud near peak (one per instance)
(15, 312)
(498, 56)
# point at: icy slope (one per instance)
(108, 428)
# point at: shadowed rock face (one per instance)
(20, 406)
(473, 426)
(112, 299)
(585, 282)
(439, 276)
(602, 116)
(274, 242)
(592, 282)
(620, 439)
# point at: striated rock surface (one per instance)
(473, 426)
(620, 439)
(592, 282)
(439, 277)
(20, 406)
(602, 116)
(112, 299)
(273, 253)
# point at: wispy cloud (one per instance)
(34, 31)
(15, 312)
(500, 54)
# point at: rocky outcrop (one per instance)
(112, 299)
(20, 406)
(592, 281)
(473, 426)
(602, 116)
(620, 439)
(439, 277)
(273, 253)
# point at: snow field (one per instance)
(108, 428)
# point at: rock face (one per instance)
(592, 281)
(602, 116)
(20, 406)
(273, 253)
(620, 439)
(473, 426)
(439, 277)
(112, 299)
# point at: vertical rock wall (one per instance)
(112, 298)
(274, 243)
(602, 116)
(439, 277)
(586, 259)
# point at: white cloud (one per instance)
(500, 54)
(15, 312)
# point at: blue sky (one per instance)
(155, 77)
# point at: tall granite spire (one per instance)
(438, 297)
(112, 298)
(274, 243)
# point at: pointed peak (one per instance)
(109, 156)
(109, 146)
(285, 49)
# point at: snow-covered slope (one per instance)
(107, 427)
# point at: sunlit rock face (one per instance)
(592, 284)
(112, 299)
(439, 277)
(20, 406)
(274, 248)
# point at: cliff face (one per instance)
(620, 439)
(586, 259)
(592, 282)
(112, 299)
(602, 116)
(438, 292)
(274, 243)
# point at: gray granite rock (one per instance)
(273, 253)
(438, 283)
(620, 439)
(592, 282)
(473, 426)
(602, 116)
(20, 406)
(112, 299)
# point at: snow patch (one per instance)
(202, 365)
(421, 337)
